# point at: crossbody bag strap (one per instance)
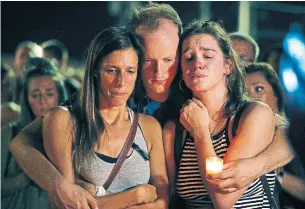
(123, 154)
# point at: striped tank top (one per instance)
(191, 188)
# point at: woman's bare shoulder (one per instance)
(148, 121)
(257, 110)
(59, 112)
(151, 129)
(59, 117)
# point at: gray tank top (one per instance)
(135, 169)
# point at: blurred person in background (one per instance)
(9, 110)
(245, 46)
(272, 55)
(43, 89)
(263, 85)
(55, 49)
(24, 51)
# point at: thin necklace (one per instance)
(215, 127)
(211, 134)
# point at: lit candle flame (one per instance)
(213, 165)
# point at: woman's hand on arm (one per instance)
(138, 197)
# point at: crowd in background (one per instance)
(41, 79)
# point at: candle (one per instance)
(213, 165)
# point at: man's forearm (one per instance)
(276, 155)
(35, 164)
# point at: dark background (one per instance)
(76, 23)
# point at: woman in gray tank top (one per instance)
(84, 140)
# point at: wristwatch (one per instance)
(100, 191)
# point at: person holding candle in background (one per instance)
(212, 74)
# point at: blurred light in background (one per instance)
(292, 73)
(290, 79)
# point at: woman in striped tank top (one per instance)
(214, 78)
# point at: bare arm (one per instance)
(158, 176)
(27, 148)
(58, 139)
(254, 133)
(271, 158)
(10, 182)
(240, 173)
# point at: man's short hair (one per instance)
(247, 38)
(150, 16)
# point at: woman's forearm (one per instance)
(120, 200)
(11, 185)
(162, 200)
(141, 196)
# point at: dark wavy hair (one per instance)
(39, 67)
(89, 120)
(272, 78)
(235, 81)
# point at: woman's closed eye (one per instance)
(189, 58)
(111, 71)
(207, 57)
